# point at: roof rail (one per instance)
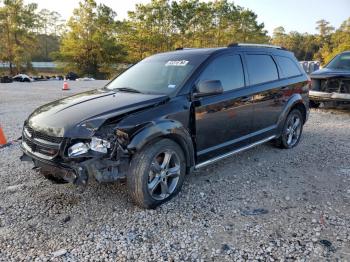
(184, 48)
(255, 45)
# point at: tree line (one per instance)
(93, 41)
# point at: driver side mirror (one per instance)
(208, 87)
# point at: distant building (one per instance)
(48, 65)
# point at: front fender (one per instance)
(164, 128)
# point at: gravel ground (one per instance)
(264, 204)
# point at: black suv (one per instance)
(168, 115)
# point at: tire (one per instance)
(292, 130)
(156, 173)
(314, 104)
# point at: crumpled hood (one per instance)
(328, 72)
(80, 114)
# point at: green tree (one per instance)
(163, 25)
(185, 18)
(324, 28)
(279, 36)
(322, 46)
(323, 38)
(17, 26)
(149, 29)
(304, 46)
(339, 42)
(91, 45)
(249, 29)
(50, 23)
(49, 28)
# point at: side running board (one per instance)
(210, 161)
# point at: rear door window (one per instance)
(289, 68)
(261, 68)
(228, 69)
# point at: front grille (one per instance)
(31, 145)
(39, 135)
(41, 144)
(330, 86)
(335, 85)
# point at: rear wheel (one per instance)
(156, 173)
(292, 130)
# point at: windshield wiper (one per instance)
(128, 89)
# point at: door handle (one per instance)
(246, 98)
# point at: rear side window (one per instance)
(288, 66)
(228, 69)
(261, 69)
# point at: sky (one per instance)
(293, 15)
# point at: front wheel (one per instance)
(156, 173)
(314, 104)
(292, 130)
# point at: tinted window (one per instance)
(289, 68)
(227, 69)
(261, 69)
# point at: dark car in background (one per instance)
(332, 83)
(168, 115)
(72, 76)
(6, 79)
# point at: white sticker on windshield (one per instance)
(177, 63)
(171, 86)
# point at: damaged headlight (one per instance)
(99, 145)
(78, 149)
(96, 144)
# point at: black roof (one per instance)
(234, 46)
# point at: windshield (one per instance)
(341, 61)
(160, 74)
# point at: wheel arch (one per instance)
(301, 107)
(165, 129)
(295, 102)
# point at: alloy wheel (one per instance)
(293, 130)
(164, 174)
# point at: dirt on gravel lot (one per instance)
(264, 204)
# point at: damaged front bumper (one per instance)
(102, 167)
(325, 96)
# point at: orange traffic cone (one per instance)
(65, 85)
(2, 137)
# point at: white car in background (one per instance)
(85, 79)
(22, 78)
